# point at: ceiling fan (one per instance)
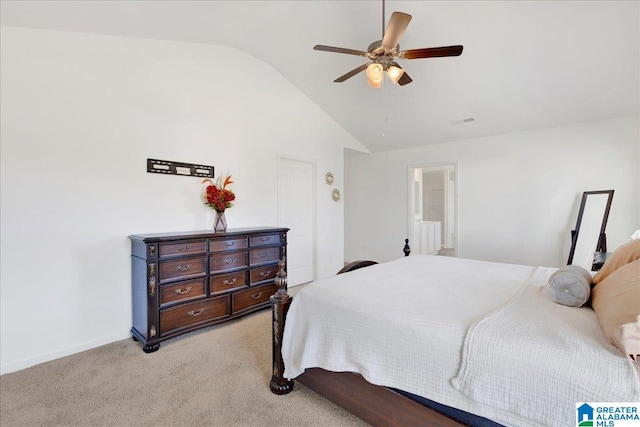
(384, 53)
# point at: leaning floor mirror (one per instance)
(589, 240)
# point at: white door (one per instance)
(296, 211)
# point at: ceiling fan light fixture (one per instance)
(374, 72)
(394, 72)
(375, 83)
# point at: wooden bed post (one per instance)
(281, 301)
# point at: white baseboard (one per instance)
(18, 366)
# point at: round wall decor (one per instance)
(328, 178)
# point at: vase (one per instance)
(220, 223)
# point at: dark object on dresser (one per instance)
(186, 281)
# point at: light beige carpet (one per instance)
(214, 377)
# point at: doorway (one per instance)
(433, 209)
(296, 210)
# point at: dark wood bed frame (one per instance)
(377, 405)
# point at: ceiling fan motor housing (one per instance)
(382, 56)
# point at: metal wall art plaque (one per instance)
(168, 167)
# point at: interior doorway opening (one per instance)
(433, 209)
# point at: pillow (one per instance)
(570, 285)
(625, 254)
(616, 301)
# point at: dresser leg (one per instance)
(133, 337)
(151, 348)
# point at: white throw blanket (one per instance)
(537, 359)
(403, 324)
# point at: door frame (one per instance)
(314, 202)
(411, 199)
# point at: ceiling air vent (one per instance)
(459, 122)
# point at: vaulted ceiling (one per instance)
(525, 65)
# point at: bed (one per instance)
(431, 340)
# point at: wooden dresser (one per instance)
(186, 281)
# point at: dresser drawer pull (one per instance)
(229, 261)
(256, 296)
(185, 291)
(183, 267)
(184, 248)
(230, 282)
(229, 243)
(265, 273)
(263, 256)
(194, 313)
(265, 239)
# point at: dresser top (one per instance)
(153, 237)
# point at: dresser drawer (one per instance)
(218, 245)
(227, 282)
(227, 261)
(183, 248)
(260, 274)
(182, 291)
(265, 239)
(251, 297)
(192, 313)
(182, 268)
(264, 255)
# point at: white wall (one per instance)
(80, 115)
(518, 193)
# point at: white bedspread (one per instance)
(403, 324)
(537, 359)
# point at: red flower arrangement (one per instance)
(217, 196)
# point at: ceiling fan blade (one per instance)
(431, 52)
(404, 79)
(351, 73)
(397, 24)
(339, 50)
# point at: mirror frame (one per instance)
(601, 246)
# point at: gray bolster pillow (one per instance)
(570, 285)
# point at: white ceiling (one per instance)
(525, 65)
